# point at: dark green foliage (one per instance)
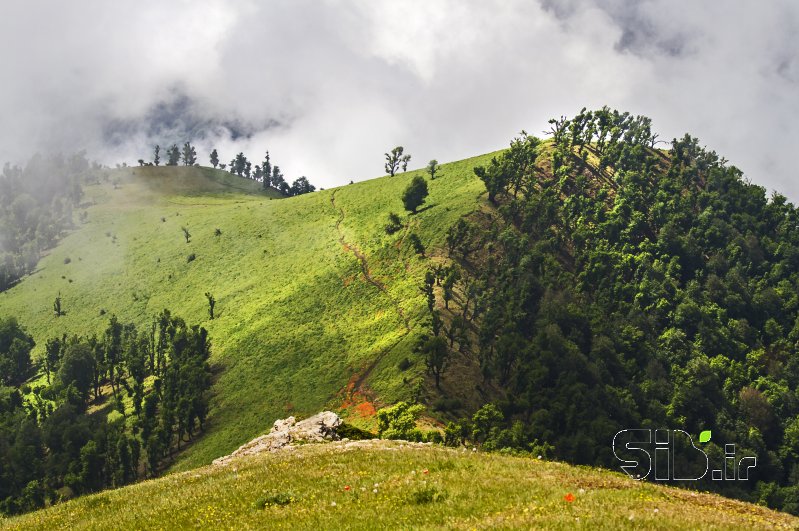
(432, 169)
(214, 158)
(15, 352)
(436, 355)
(415, 194)
(52, 446)
(348, 431)
(191, 258)
(633, 287)
(275, 498)
(157, 155)
(211, 304)
(301, 186)
(427, 495)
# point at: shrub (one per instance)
(399, 421)
(405, 364)
(67, 260)
(191, 257)
(272, 499)
(426, 495)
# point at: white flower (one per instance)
(581, 491)
(374, 490)
(332, 504)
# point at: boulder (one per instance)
(287, 432)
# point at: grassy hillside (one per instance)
(297, 318)
(394, 485)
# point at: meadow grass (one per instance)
(391, 485)
(296, 321)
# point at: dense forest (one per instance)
(616, 285)
(113, 409)
(36, 204)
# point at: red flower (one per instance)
(425, 471)
(346, 487)
(569, 497)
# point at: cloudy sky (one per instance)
(329, 85)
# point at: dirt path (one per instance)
(359, 380)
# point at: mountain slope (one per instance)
(389, 484)
(297, 319)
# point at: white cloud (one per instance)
(329, 86)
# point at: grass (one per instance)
(298, 327)
(389, 485)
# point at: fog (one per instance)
(329, 86)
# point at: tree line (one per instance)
(618, 285)
(114, 408)
(266, 172)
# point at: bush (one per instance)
(274, 498)
(405, 364)
(399, 421)
(67, 260)
(427, 495)
(191, 257)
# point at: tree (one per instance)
(395, 159)
(189, 154)
(211, 304)
(436, 355)
(173, 155)
(277, 178)
(214, 158)
(186, 234)
(415, 194)
(432, 168)
(239, 165)
(52, 356)
(77, 368)
(266, 170)
(57, 310)
(301, 186)
(157, 157)
(15, 352)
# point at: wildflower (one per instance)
(656, 510)
(425, 471)
(540, 457)
(332, 504)
(377, 485)
(374, 490)
(581, 491)
(413, 472)
(569, 497)
(346, 487)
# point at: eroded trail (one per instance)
(351, 247)
(364, 263)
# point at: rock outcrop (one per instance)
(286, 433)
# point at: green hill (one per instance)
(396, 485)
(297, 320)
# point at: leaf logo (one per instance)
(704, 436)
